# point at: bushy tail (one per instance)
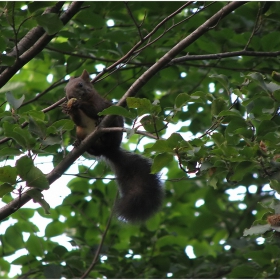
(141, 192)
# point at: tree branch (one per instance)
(37, 47)
(76, 152)
(162, 62)
(222, 55)
(32, 36)
(134, 20)
(56, 173)
(132, 50)
(97, 253)
(24, 124)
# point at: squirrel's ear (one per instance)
(85, 76)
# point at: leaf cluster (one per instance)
(208, 120)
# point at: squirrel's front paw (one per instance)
(73, 102)
(64, 107)
(69, 105)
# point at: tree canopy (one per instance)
(199, 88)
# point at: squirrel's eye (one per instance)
(80, 85)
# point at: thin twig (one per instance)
(94, 261)
(135, 47)
(134, 21)
(54, 85)
(171, 27)
(254, 29)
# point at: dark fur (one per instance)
(141, 192)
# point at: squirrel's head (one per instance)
(80, 87)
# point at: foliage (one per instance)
(214, 85)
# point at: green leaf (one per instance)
(34, 245)
(181, 100)
(33, 176)
(23, 260)
(13, 237)
(73, 63)
(161, 161)
(242, 169)
(117, 110)
(275, 185)
(175, 140)
(60, 250)
(35, 6)
(28, 139)
(20, 135)
(200, 97)
(52, 271)
(24, 165)
(170, 240)
(143, 105)
(275, 205)
(50, 22)
(232, 112)
(5, 266)
(9, 152)
(218, 105)
(218, 138)
(37, 115)
(275, 76)
(243, 271)
(258, 78)
(258, 230)
(12, 86)
(222, 79)
(8, 174)
(276, 95)
(5, 188)
(53, 229)
(14, 103)
(62, 125)
(213, 182)
(38, 197)
(153, 223)
(3, 44)
(152, 124)
(265, 127)
(37, 127)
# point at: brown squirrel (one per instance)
(141, 192)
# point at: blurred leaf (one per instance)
(161, 161)
(181, 100)
(222, 79)
(63, 125)
(39, 198)
(31, 174)
(218, 105)
(50, 22)
(52, 271)
(14, 103)
(14, 237)
(258, 78)
(259, 229)
(8, 174)
(37, 127)
(34, 245)
(117, 110)
(5, 188)
(54, 229)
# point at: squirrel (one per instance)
(141, 193)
